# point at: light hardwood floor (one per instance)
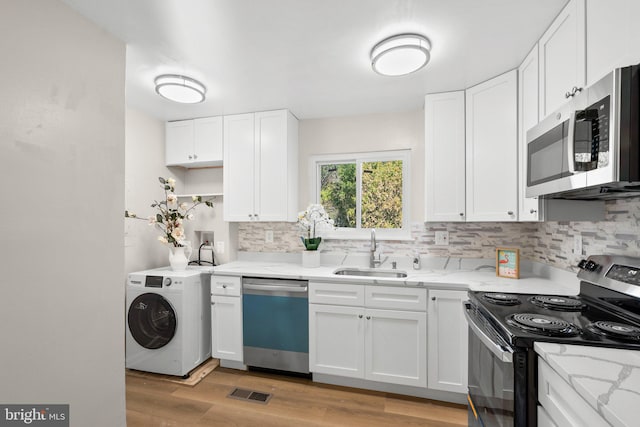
(294, 402)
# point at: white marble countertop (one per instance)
(608, 379)
(534, 282)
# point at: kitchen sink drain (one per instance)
(249, 395)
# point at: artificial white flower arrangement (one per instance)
(169, 219)
(310, 221)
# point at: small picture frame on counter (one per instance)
(508, 262)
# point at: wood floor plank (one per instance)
(167, 407)
(295, 402)
(429, 410)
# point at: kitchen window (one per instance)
(361, 191)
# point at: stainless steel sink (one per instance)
(370, 272)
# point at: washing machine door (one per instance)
(152, 321)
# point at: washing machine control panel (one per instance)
(167, 281)
(153, 282)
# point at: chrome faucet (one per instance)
(372, 258)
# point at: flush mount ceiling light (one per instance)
(180, 88)
(401, 54)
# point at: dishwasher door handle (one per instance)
(277, 288)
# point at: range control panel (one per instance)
(623, 273)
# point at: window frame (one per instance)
(404, 233)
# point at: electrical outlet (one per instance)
(442, 238)
(206, 236)
(220, 247)
(577, 244)
(268, 236)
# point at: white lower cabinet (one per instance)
(447, 341)
(395, 347)
(543, 418)
(562, 403)
(336, 340)
(369, 343)
(226, 327)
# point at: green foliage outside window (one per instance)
(381, 194)
(338, 193)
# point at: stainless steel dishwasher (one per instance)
(275, 314)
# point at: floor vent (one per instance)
(250, 395)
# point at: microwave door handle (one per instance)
(496, 349)
(570, 143)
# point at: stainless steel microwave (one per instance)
(590, 148)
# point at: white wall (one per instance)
(145, 150)
(144, 160)
(62, 163)
(375, 132)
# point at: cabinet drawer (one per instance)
(225, 285)
(396, 298)
(336, 294)
(562, 403)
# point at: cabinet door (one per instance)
(226, 328)
(178, 142)
(529, 209)
(336, 340)
(448, 346)
(207, 141)
(612, 36)
(444, 157)
(239, 168)
(395, 347)
(562, 57)
(271, 175)
(492, 149)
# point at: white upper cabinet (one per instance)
(194, 143)
(444, 157)
(528, 209)
(612, 36)
(261, 172)
(562, 50)
(492, 149)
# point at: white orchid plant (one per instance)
(171, 215)
(309, 221)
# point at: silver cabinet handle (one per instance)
(433, 298)
(573, 92)
(510, 213)
(213, 303)
(190, 157)
(532, 211)
(368, 317)
(461, 214)
(195, 156)
(359, 316)
(250, 215)
(224, 286)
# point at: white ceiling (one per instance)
(312, 56)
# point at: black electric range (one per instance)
(505, 326)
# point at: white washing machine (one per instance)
(168, 321)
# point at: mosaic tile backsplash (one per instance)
(549, 242)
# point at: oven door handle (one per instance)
(505, 355)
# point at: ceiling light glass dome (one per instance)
(179, 88)
(400, 54)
